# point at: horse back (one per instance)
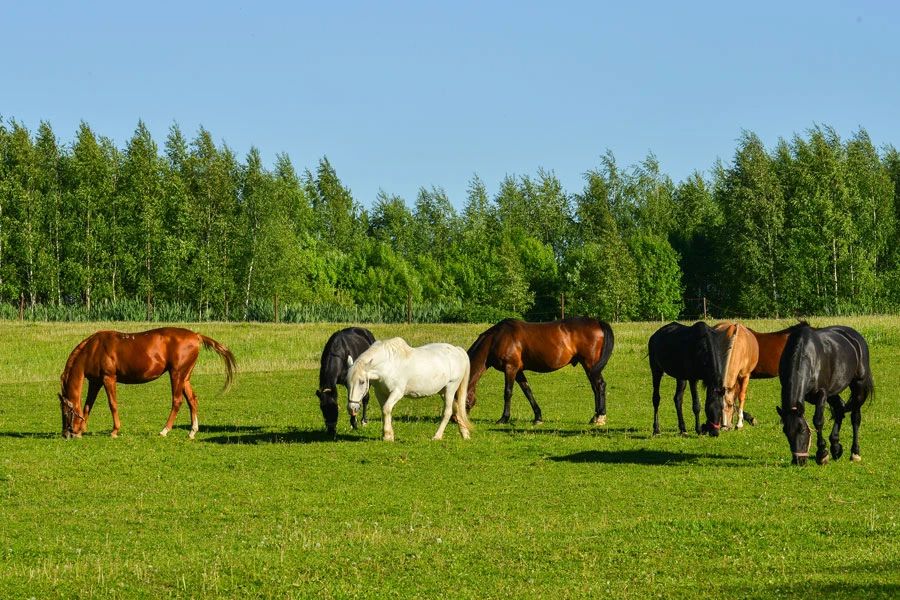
(139, 357)
(544, 347)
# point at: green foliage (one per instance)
(810, 226)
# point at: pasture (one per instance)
(262, 504)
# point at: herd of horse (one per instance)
(814, 366)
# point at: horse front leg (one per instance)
(109, 384)
(510, 377)
(695, 406)
(838, 412)
(819, 424)
(92, 392)
(526, 389)
(387, 430)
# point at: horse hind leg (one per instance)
(838, 412)
(657, 379)
(193, 404)
(448, 412)
(678, 399)
(598, 386)
(177, 398)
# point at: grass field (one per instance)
(263, 505)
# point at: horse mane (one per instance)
(70, 362)
(393, 348)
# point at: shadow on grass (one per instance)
(31, 434)
(641, 457)
(257, 436)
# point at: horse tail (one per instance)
(227, 356)
(462, 416)
(606, 351)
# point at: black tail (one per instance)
(606, 352)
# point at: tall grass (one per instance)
(264, 505)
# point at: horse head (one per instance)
(73, 422)
(328, 404)
(358, 376)
(797, 431)
(712, 350)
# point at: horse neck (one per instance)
(478, 355)
(71, 382)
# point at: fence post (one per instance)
(408, 307)
(562, 303)
(276, 308)
(21, 305)
(148, 305)
(704, 308)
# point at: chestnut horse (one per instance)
(771, 345)
(743, 355)
(108, 357)
(513, 346)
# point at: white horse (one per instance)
(395, 370)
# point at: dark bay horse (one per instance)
(110, 357)
(349, 342)
(690, 354)
(513, 347)
(816, 366)
(771, 345)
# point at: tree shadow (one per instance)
(642, 457)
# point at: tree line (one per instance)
(808, 227)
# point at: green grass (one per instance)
(263, 505)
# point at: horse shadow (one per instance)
(642, 456)
(256, 436)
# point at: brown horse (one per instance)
(108, 357)
(513, 346)
(771, 345)
(743, 356)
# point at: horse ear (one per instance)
(349, 361)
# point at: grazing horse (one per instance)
(771, 345)
(108, 357)
(816, 366)
(351, 342)
(395, 370)
(742, 358)
(690, 354)
(513, 347)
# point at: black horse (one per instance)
(351, 342)
(815, 367)
(689, 354)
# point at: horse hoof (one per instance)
(114, 434)
(600, 420)
(502, 421)
(855, 457)
(164, 433)
(837, 451)
(538, 422)
(465, 434)
(822, 460)
(752, 422)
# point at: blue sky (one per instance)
(403, 95)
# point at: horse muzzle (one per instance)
(800, 459)
(353, 408)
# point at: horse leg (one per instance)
(93, 391)
(526, 389)
(109, 384)
(657, 377)
(365, 405)
(743, 382)
(448, 412)
(193, 403)
(387, 429)
(858, 395)
(695, 406)
(598, 385)
(679, 400)
(838, 412)
(507, 396)
(177, 397)
(819, 424)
